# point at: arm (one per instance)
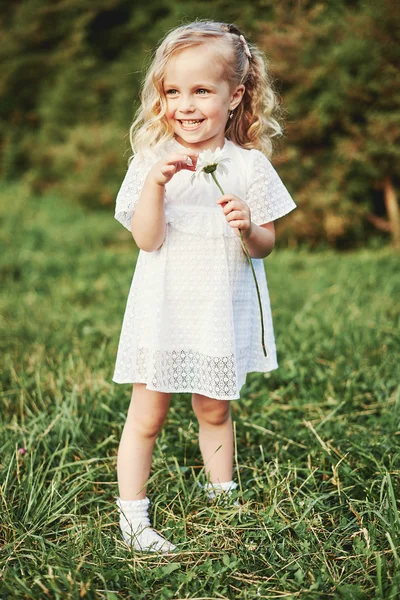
(261, 240)
(267, 199)
(148, 221)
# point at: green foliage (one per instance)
(341, 86)
(71, 76)
(317, 457)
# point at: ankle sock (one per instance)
(215, 489)
(135, 526)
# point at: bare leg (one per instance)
(215, 429)
(146, 415)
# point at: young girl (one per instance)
(192, 320)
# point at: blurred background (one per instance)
(70, 81)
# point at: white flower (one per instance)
(208, 162)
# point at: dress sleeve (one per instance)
(130, 189)
(267, 196)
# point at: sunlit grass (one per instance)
(317, 441)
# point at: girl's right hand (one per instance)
(164, 170)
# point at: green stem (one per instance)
(216, 181)
(252, 269)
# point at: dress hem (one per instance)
(122, 380)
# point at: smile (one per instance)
(190, 124)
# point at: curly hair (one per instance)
(253, 123)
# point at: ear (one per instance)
(236, 96)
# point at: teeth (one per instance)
(190, 124)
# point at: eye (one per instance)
(201, 90)
(171, 92)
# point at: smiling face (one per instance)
(198, 97)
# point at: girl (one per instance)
(192, 321)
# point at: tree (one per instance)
(71, 74)
(341, 85)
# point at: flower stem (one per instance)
(258, 292)
(216, 181)
(252, 269)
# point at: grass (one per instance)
(317, 453)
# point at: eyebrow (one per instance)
(196, 85)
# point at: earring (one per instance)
(231, 115)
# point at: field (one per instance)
(317, 442)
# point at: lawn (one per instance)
(317, 442)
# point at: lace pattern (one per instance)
(191, 322)
(131, 187)
(267, 196)
(186, 370)
(205, 222)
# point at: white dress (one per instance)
(192, 318)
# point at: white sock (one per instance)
(215, 489)
(135, 526)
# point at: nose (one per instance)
(186, 104)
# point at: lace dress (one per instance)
(192, 320)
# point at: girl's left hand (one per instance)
(237, 214)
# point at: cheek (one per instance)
(170, 110)
(219, 110)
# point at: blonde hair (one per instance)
(252, 124)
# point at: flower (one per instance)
(208, 162)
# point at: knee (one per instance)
(210, 411)
(147, 411)
(146, 423)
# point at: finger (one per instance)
(194, 160)
(168, 169)
(234, 215)
(183, 165)
(236, 223)
(229, 208)
(181, 162)
(227, 205)
(192, 153)
(190, 166)
(174, 158)
(225, 198)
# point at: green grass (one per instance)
(317, 441)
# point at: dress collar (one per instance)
(175, 143)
